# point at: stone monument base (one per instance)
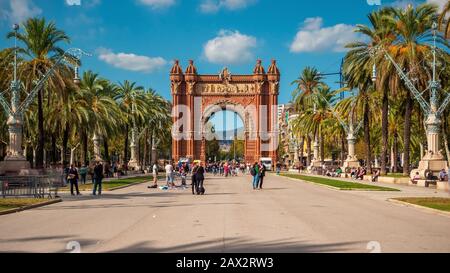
(19, 167)
(435, 166)
(351, 164)
(314, 165)
(133, 166)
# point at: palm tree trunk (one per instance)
(342, 147)
(125, 149)
(384, 131)
(407, 134)
(144, 163)
(106, 148)
(302, 145)
(322, 147)
(41, 132)
(65, 142)
(367, 137)
(308, 151)
(54, 150)
(85, 147)
(151, 159)
(395, 152)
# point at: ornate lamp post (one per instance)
(134, 162)
(15, 161)
(433, 160)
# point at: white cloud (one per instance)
(313, 37)
(230, 47)
(404, 3)
(213, 6)
(132, 62)
(439, 3)
(158, 4)
(17, 11)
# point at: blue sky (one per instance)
(138, 40)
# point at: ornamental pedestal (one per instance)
(433, 161)
(352, 161)
(15, 162)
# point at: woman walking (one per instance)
(72, 177)
(200, 177)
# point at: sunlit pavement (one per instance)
(287, 216)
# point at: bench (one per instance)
(426, 183)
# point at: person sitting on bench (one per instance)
(443, 175)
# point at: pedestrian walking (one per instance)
(194, 179)
(98, 178)
(262, 175)
(200, 178)
(72, 177)
(83, 174)
(254, 171)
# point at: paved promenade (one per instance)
(288, 216)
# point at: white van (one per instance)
(267, 162)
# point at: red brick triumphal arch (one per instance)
(197, 97)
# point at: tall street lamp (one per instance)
(15, 161)
(433, 160)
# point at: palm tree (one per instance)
(306, 85)
(316, 114)
(41, 42)
(131, 100)
(104, 115)
(413, 28)
(444, 22)
(380, 33)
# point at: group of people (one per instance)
(72, 176)
(182, 170)
(334, 172)
(358, 173)
(258, 172)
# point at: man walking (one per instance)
(262, 174)
(98, 178)
(255, 172)
(194, 179)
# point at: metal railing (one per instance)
(31, 186)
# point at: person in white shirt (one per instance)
(169, 175)
(155, 177)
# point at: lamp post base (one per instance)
(435, 166)
(351, 164)
(134, 165)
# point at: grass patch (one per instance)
(342, 185)
(433, 203)
(17, 203)
(113, 184)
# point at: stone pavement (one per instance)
(288, 216)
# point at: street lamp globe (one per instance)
(16, 27)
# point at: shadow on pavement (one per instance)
(242, 245)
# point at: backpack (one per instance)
(253, 171)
